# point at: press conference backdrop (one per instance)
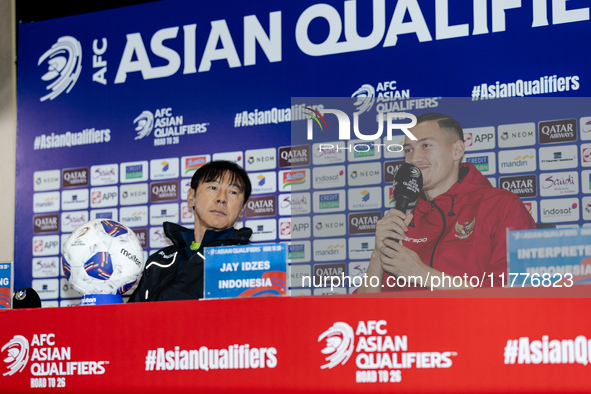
(117, 109)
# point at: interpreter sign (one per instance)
(5, 285)
(557, 257)
(245, 271)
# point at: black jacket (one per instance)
(176, 272)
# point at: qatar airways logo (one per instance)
(64, 63)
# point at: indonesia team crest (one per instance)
(464, 230)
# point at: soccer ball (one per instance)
(103, 257)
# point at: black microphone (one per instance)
(26, 298)
(408, 183)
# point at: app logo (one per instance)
(300, 227)
(64, 63)
(285, 228)
(468, 139)
(479, 138)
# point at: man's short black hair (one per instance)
(444, 121)
(217, 170)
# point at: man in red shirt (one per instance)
(457, 230)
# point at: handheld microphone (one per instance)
(408, 183)
(26, 298)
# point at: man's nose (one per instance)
(221, 198)
(414, 158)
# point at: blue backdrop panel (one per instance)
(169, 83)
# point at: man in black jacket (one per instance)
(218, 195)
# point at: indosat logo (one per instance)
(379, 356)
(345, 129)
(64, 63)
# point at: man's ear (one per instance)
(458, 150)
(191, 198)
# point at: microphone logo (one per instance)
(64, 63)
(340, 342)
(18, 354)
